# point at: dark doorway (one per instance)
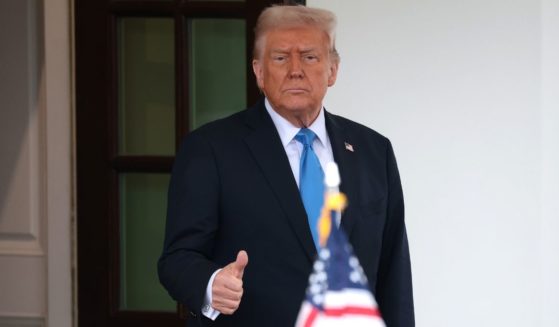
(147, 72)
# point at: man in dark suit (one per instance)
(234, 192)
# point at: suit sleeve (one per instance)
(192, 221)
(394, 287)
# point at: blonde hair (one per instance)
(280, 16)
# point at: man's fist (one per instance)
(227, 288)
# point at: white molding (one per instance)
(31, 248)
(11, 320)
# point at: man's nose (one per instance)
(296, 68)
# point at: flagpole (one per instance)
(334, 203)
(332, 182)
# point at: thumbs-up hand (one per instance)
(227, 287)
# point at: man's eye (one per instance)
(311, 58)
(279, 58)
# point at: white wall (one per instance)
(550, 163)
(467, 92)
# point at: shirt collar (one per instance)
(287, 131)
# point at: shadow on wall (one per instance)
(21, 69)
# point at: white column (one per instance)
(58, 103)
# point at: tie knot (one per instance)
(305, 136)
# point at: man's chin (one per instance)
(299, 108)
(299, 104)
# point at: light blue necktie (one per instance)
(311, 181)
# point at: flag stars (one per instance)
(355, 277)
(318, 278)
(321, 277)
(324, 254)
(318, 286)
(318, 281)
(318, 298)
(315, 289)
(319, 266)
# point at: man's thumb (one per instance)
(240, 264)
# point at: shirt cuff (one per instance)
(207, 309)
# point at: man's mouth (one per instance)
(295, 90)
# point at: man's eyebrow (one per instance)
(286, 50)
(307, 50)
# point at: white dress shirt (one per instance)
(294, 150)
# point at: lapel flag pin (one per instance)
(348, 146)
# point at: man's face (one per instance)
(294, 71)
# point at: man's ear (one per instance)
(258, 72)
(333, 73)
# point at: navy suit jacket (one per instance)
(232, 189)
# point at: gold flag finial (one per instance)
(333, 202)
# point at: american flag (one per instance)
(338, 294)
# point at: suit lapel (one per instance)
(265, 145)
(346, 159)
